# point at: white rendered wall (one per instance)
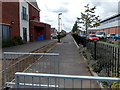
(24, 23)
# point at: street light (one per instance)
(59, 21)
(59, 26)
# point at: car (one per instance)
(82, 35)
(92, 37)
(54, 35)
(110, 36)
(117, 37)
(101, 35)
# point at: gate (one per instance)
(29, 63)
(61, 82)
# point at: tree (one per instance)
(75, 27)
(88, 18)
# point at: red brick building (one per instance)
(22, 18)
(37, 28)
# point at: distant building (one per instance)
(22, 18)
(110, 25)
(80, 32)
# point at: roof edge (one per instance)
(110, 17)
(32, 5)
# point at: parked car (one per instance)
(117, 37)
(92, 37)
(101, 35)
(82, 35)
(54, 35)
(110, 36)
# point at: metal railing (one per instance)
(106, 55)
(31, 80)
(28, 62)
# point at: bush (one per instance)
(103, 40)
(16, 41)
(115, 85)
(103, 73)
(96, 65)
(62, 35)
(117, 42)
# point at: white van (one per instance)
(101, 34)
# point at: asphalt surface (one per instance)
(69, 62)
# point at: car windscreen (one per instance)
(112, 34)
(92, 35)
(99, 33)
(119, 35)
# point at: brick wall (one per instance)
(10, 12)
(48, 31)
(38, 27)
(33, 13)
(113, 30)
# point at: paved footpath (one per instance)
(28, 47)
(70, 63)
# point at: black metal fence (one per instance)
(106, 55)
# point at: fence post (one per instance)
(4, 71)
(16, 82)
(95, 50)
(118, 63)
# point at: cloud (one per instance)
(97, 4)
(59, 9)
(104, 11)
(65, 3)
(72, 9)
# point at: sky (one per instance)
(71, 9)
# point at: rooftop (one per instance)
(116, 15)
(34, 3)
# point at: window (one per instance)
(25, 34)
(24, 13)
(5, 33)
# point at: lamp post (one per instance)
(59, 26)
